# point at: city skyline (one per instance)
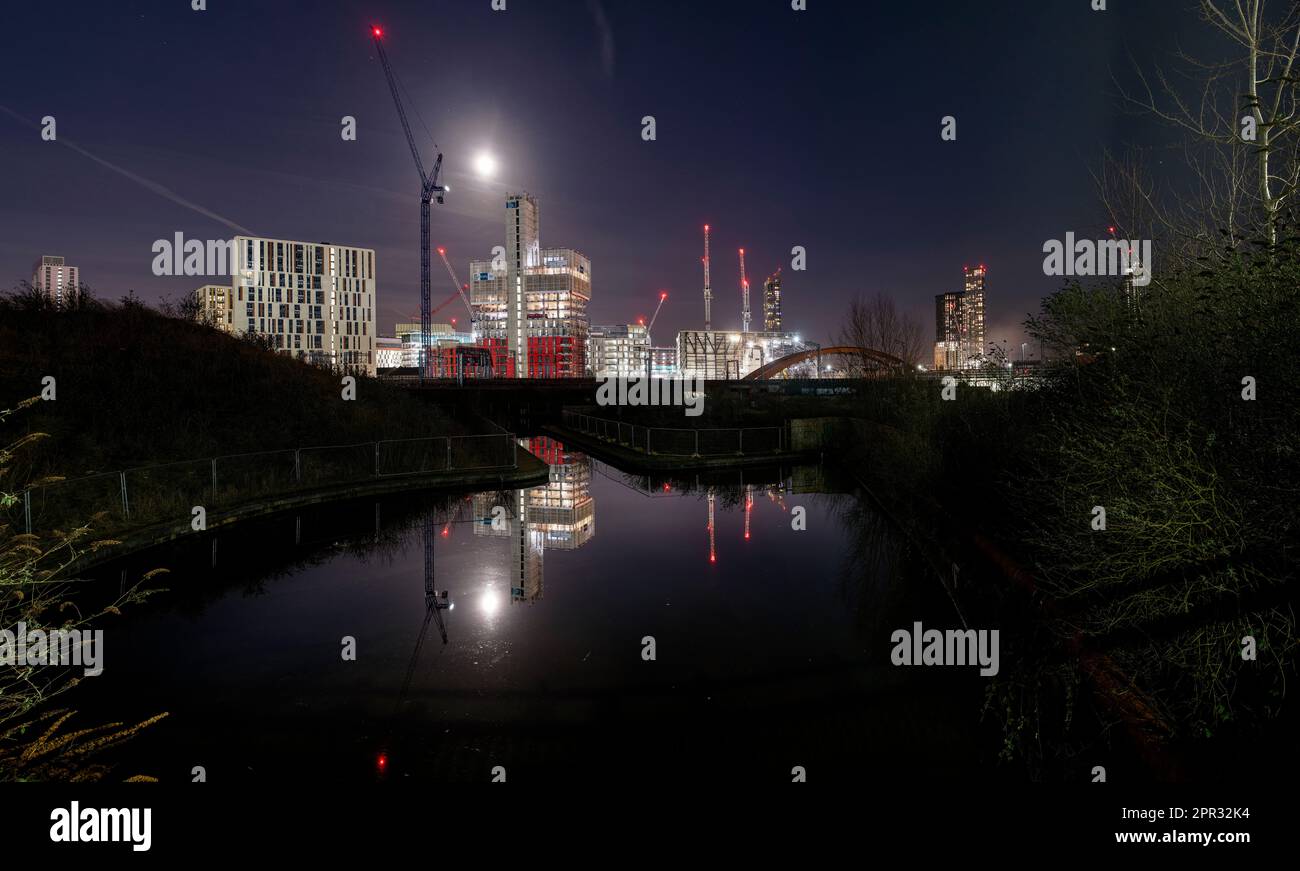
(919, 206)
(930, 366)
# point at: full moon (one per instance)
(485, 164)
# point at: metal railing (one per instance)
(169, 491)
(731, 441)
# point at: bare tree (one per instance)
(1242, 129)
(875, 323)
(189, 308)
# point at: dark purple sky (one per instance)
(778, 128)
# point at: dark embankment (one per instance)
(135, 387)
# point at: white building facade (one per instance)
(54, 278)
(617, 350)
(312, 300)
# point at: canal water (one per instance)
(604, 627)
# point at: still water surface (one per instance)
(771, 645)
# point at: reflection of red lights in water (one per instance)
(382, 762)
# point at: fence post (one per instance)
(376, 459)
(514, 454)
(742, 441)
(697, 443)
(647, 441)
(126, 505)
(27, 509)
(214, 480)
(297, 465)
(448, 453)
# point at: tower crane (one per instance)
(708, 292)
(430, 189)
(744, 295)
(663, 295)
(460, 288)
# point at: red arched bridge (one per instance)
(865, 355)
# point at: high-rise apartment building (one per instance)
(959, 323)
(772, 303)
(54, 278)
(531, 304)
(947, 331)
(973, 309)
(313, 300)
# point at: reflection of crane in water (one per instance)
(749, 507)
(713, 555)
(434, 604)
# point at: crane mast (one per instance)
(744, 295)
(708, 293)
(430, 189)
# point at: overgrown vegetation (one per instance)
(34, 594)
(1149, 414)
(137, 387)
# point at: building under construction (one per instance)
(530, 305)
(720, 355)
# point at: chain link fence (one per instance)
(733, 441)
(168, 492)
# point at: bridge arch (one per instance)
(780, 364)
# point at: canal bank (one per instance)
(527, 471)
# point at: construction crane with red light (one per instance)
(744, 295)
(430, 189)
(708, 293)
(460, 288)
(663, 295)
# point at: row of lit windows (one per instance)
(298, 256)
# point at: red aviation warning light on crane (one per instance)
(431, 188)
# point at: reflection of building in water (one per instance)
(559, 515)
(527, 546)
(563, 508)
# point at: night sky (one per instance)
(778, 128)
